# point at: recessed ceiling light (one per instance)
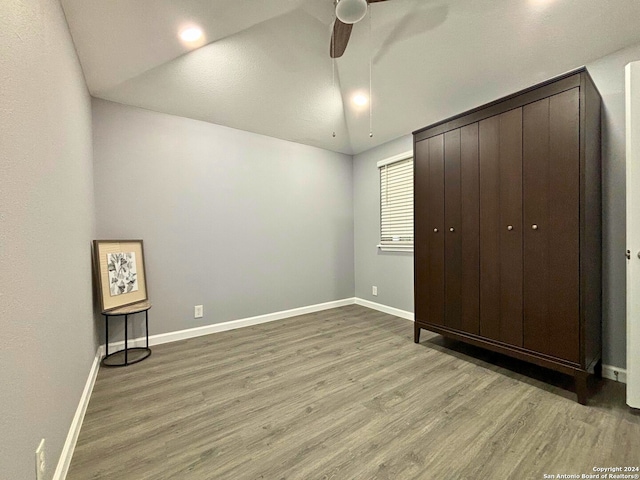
(191, 34)
(360, 100)
(540, 3)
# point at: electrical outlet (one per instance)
(198, 311)
(40, 461)
(374, 291)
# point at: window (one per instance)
(396, 203)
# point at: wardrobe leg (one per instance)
(582, 387)
(416, 333)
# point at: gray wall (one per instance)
(393, 272)
(47, 342)
(241, 223)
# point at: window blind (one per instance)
(396, 204)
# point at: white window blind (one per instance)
(396, 203)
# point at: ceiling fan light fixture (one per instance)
(351, 11)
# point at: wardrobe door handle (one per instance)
(509, 227)
(451, 229)
(534, 227)
(435, 230)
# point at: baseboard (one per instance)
(231, 325)
(609, 372)
(386, 309)
(72, 437)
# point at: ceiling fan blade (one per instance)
(374, 1)
(339, 38)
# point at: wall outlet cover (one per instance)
(198, 311)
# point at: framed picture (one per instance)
(119, 268)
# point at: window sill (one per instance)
(396, 248)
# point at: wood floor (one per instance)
(344, 394)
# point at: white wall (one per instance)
(47, 339)
(241, 223)
(393, 273)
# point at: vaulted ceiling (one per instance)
(263, 65)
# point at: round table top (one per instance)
(129, 309)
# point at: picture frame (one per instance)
(120, 273)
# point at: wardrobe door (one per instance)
(461, 230)
(420, 228)
(500, 145)
(429, 225)
(452, 231)
(551, 223)
(470, 210)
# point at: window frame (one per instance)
(405, 247)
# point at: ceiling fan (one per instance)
(348, 12)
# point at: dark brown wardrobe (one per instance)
(508, 227)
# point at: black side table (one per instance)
(121, 358)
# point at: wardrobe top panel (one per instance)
(542, 90)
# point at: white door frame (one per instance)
(632, 97)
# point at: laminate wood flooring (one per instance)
(344, 394)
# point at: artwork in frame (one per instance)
(120, 272)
